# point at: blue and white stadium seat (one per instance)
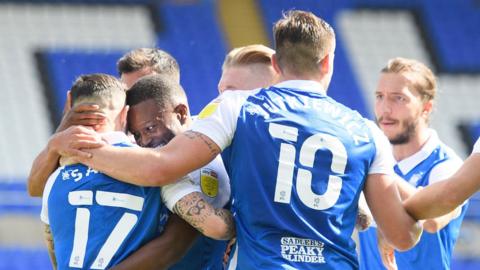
(46, 44)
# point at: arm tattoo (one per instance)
(227, 218)
(50, 245)
(214, 150)
(192, 208)
(200, 214)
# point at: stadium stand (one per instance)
(69, 38)
(199, 55)
(63, 67)
(15, 258)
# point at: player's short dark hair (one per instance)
(98, 87)
(302, 40)
(158, 60)
(166, 92)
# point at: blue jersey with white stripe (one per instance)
(434, 250)
(297, 161)
(97, 221)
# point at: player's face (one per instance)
(246, 77)
(398, 109)
(151, 126)
(130, 78)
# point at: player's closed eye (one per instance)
(399, 99)
(150, 129)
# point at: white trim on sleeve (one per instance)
(476, 147)
(46, 194)
(444, 170)
(384, 161)
(173, 193)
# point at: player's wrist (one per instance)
(53, 145)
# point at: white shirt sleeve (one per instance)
(211, 181)
(476, 147)
(384, 161)
(444, 170)
(220, 195)
(172, 193)
(46, 194)
(218, 120)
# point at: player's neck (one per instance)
(416, 142)
(317, 77)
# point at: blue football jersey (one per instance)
(97, 221)
(433, 162)
(205, 254)
(297, 162)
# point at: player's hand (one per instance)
(82, 115)
(72, 141)
(364, 220)
(387, 253)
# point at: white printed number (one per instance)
(286, 166)
(82, 220)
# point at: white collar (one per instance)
(114, 137)
(307, 85)
(407, 164)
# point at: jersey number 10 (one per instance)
(286, 166)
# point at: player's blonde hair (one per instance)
(247, 55)
(421, 77)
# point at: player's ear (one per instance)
(275, 64)
(182, 113)
(68, 103)
(428, 107)
(325, 64)
(123, 116)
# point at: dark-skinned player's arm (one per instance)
(163, 251)
(47, 160)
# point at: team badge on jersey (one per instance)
(209, 109)
(209, 182)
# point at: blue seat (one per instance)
(18, 258)
(465, 264)
(200, 55)
(64, 66)
(15, 198)
(452, 26)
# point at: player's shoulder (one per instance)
(476, 147)
(448, 155)
(448, 163)
(117, 138)
(237, 96)
(216, 163)
(216, 168)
